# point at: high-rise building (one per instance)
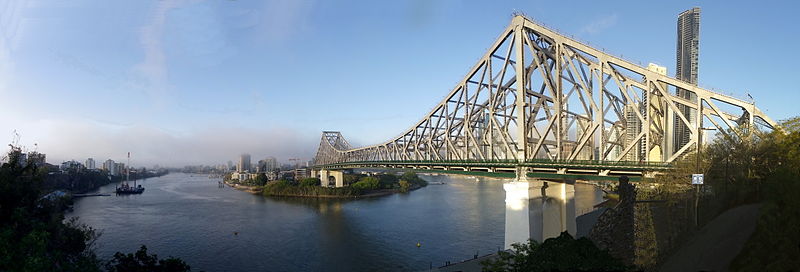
(71, 165)
(90, 164)
(244, 163)
(687, 52)
(633, 126)
(111, 167)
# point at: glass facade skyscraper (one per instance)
(686, 52)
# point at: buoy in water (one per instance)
(235, 233)
(418, 244)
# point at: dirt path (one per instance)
(715, 245)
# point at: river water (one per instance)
(223, 229)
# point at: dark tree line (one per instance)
(34, 235)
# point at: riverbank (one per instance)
(246, 188)
(86, 181)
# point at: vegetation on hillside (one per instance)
(562, 253)
(743, 167)
(33, 233)
(141, 261)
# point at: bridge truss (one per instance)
(537, 95)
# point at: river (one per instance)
(223, 229)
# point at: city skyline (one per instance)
(234, 88)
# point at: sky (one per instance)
(182, 82)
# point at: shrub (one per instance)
(562, 253)
(285, 188)
(310, 182)
(387, 181)
(412, 178)
(367, 183)
(140, 261)
(261, 179)
(404, 186)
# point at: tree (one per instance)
(261, 179)
(34, 236)
(562, 253)
(140, 261)
(387, 181)
(367, 183)
(352, 178)
(33, 233)
(310, 182)
(404, 186)
(412, 178)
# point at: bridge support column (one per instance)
(538, 210)
(337, 178)
(323, 178)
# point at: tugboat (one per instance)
(125, 188)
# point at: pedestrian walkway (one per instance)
(717, 243)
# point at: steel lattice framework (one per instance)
(539, 95)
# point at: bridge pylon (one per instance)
(537, 209)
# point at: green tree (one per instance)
(352, 178)
(404, 186)
(261, 179)
(141, 261)
(310, 182)
(562, 253)
(387, 181)
(776, 170)
(367, 183)
(412, 178)
(33, 233)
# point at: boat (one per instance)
(125, 188)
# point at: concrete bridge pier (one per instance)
(538, 210)
(331, 178)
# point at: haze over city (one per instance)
(199, 82)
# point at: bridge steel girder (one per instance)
(537, 94)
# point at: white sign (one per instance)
(697, 179)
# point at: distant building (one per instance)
(687, 52)
(111, 167)
(301, 173)
(90, 164)
(120, 168)
(244, 163)
(71, 166)
(242, 176)
(269, 164)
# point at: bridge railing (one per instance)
(514, 163)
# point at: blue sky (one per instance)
(190, 82)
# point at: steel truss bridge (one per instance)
(547, 105)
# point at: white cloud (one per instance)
(154, 66)
(600, 24)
